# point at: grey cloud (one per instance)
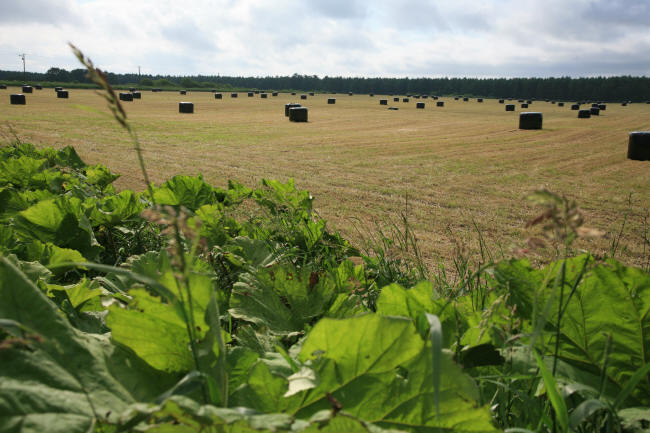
(619, 12)
(37, 11)
(185, 32)
(340, 9)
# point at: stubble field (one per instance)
(463, 167)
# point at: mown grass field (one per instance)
(463, 166)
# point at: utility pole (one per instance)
(138, 72)
(22, 56)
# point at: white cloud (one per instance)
(333, 37)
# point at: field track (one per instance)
(462, 164)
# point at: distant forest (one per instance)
(622, 88)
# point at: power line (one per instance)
(22, 56)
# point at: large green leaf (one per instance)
(114, 209)
(57, 379)
(188, 191)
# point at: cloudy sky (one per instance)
(433, 38)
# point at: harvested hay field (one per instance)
(464, 167)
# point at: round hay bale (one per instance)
(393, 108)
(250, 94)
(311, 93)
(56, 89)
(233, 95)
(289, 106)
(371, 94)
(595, 111)
(520, 100)
(560, 104)
(465, 99)
(575, 106)
(417, 96)
(524, 105)
(395, 99)
(530, 101)
(405, 99)
(383, 102)
(331, 101)
(132, 89)
(595, 105)
(584, 114)
(349, 93)
(137, 95)
(479, 100)
(624, 104)
(183, 92)
(185, 107)
(17, 99)
(263, 95)
(218, 96)
(425, 96)
(257, 92)
(440, 103)
(213, 90)
(63, 94)
(38, 87)
(510, 107)
(298, 114)
(435, 98)
(3, 86)
(638, 147)
(28, 89)
(419, 105)
(501, 101)
(274, 94)
(123, 96)
(552, 102)
(303, 96)
(602, 107)
(530, 120)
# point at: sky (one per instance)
(372, 38)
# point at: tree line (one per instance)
(619, 88)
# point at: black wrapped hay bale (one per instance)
(183, 92)
(560, 104)
(56, 89)
(479, 100)
(311, 93)
(123, 96)
(575, 107)
(383, 102)
(263, 95)
(552, 102)
(530, 101)
(137, 95)
(303, 96)
(465, 99)
(289, 106)
(213, 90)
(218, 96)
(274, 94)
(405, 99)
(371, 94)
(584, 114)
(524, 105)
(520, 100)
(638, 147)
(132, 89)
(257, 92)
(501, 101)
(510, 107)
(233, 95)
(425, 96)
(530, 120)
(624, 104)
(3, 86)
(595, 105)
(38, 87)
(602, 107)
(298, 114)
(331, 101)
(595, 111)
(435, 97)
(395, 99)
(63, 94)
(349, 93)
(250, 94)
(28, 89)
(419, 105)
(293, 93)
(393, 108)
(185, 107)
(440, 103)
(17, 99)
(456, 98)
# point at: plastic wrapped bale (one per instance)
(349, 93)
(595, 111)
(28, 89)
(417, 96)
(263, 95)
(218, 96)
(479, 100)
(183, 92)
(17, 99)
(425, 96)
(371, 94)
(293, 93)
(331, 101)
(289, 106)
(250, 94)
(383, 102)
(595, 105)
(395, 99)
(530, 101)
(524, 105)
(465, 99)
(638, 147)
(132, 89)
(510, 107)
(298, 114)
(38, 87)
(530, 120)
(185, 107)
(584, 114)
(575, 107)
(311, 93)
(3, 86)
(405, 99)
(63, 94)
(123, 96)
(233, 95)
(137, 95)
(501, 101)
(303, 96)
(520, 100)
(602, 107)
(257, 92)
(623, 104)
(560, 104)
(552, 102)
(435, 98)
(393, 108)
(440, 103)
(213, 90)
(56, 89)
(274, 94)
(456, 98)
(419, 105)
